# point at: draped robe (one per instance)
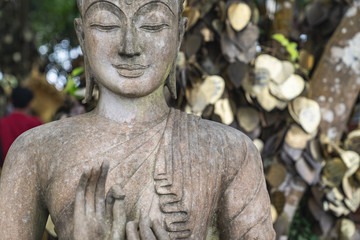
(181, 170)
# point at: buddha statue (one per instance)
(133, 168)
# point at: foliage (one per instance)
(8, 82)
(71, 85)
(52, 20)
(301, 227)
(291, 47)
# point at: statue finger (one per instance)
(90, 191)
(160, 232)
(100, 191)
(79, 208)
(132, 230)
(145, 229)
(81, 193)
(115, 192)
(119, 219)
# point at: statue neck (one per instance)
(131, 110)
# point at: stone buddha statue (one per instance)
(133, 168)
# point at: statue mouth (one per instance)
(130, 71)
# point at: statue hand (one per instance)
(147, 229)
(97, 218)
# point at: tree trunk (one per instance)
(335, 83)
(283, 22)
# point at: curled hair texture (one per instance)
(181, 6)
(80, 4)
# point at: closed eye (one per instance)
(154, 28)
(104, 28)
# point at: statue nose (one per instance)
(129, 47)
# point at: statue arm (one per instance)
(22, 212)
(245, 205)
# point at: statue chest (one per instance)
(179, 201)
(164, 173)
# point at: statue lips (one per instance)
(130, 71)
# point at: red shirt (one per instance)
(12, 126)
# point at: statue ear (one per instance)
(90, 81)
(171, 81)
(182, 29)
(80, 33)
(89, 76)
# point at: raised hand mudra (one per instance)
(97, 217)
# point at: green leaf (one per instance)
(294, 54)
(291, 47)
(70, 87)
(281, 39)
(77, 71)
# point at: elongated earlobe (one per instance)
(171, 81)
(90, 81)
(89, 76)
(182, 28)
(79, 32)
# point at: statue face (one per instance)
(131, 45)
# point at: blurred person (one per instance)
(3, 102)
(18, 121)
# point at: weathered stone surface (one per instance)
(166, 174)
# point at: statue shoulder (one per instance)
(45, 134)
(235, 149)
(227, 136)
(221, 135)
(42, 141)
(40, 147)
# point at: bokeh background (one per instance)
(285, 72)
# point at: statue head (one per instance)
(130, 46)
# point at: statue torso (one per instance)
(167, 169)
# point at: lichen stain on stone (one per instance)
(338, 68)
(26, 219)
(353, 10)
(328, 116)
(349, 55)
(340, 109)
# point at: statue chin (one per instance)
(129, 83)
